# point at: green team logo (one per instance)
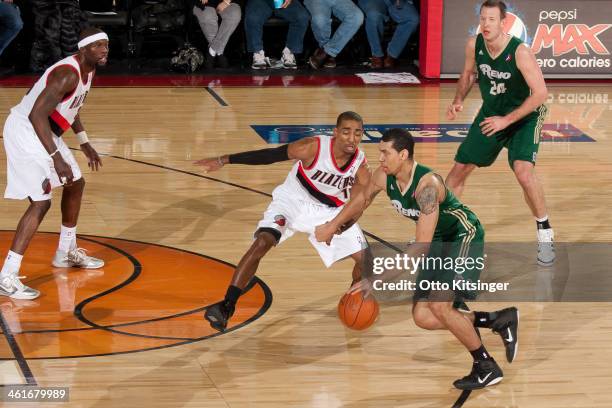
(406, 212)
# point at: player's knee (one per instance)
(439, 309)
(263, 243)
(358, 258)
(423, 318)
(524, 174)
(76, 185)
(42, 207)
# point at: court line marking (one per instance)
(182, 340)
(21, 360)
(462, 398)
(215, 95)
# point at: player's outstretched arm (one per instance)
(61, 81)
(304, 150)
(361, 198)
(466, 80)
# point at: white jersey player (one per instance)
(316, 188)
(39, 160)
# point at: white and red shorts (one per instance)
(289, 213)
(28, 163)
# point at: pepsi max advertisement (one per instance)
(569, 38)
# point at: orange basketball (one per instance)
(356, 312)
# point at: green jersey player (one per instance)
(512, 114)
(445, 229)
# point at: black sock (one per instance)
(543, 224)
(480, 354)
(484, 319)
(232, 294)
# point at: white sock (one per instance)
(12, 263)
(67, 240)
(542, 219)
(212, 52)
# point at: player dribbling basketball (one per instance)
(444, 228)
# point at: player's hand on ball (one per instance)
(453, 108)
(364, 286)
(493, 124)
(210, 164)
(93, 159)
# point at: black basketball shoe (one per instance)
(219, 314)
(506, 325)
(484, 373)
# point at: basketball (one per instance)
(357, 313)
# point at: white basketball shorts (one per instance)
(28, 163)
(289, 213)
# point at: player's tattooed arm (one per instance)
(430, 193)
(428, 199)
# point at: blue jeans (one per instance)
(10, 24)
(256, 14)
(377, 12)
(346, 11)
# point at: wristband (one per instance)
(54, 153)
(82, 137)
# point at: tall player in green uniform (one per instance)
(512, 114)
(445, 228)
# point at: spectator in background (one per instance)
(377, 12)
(258, 12)
(10, 25)
(217, 35)
(57, 24)
(330, 46)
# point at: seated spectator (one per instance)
(57, 24)
(330, 46)
(257, 12)
(207, 12)
(377, 12)
(10, 25)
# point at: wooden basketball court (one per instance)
(132, 333)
